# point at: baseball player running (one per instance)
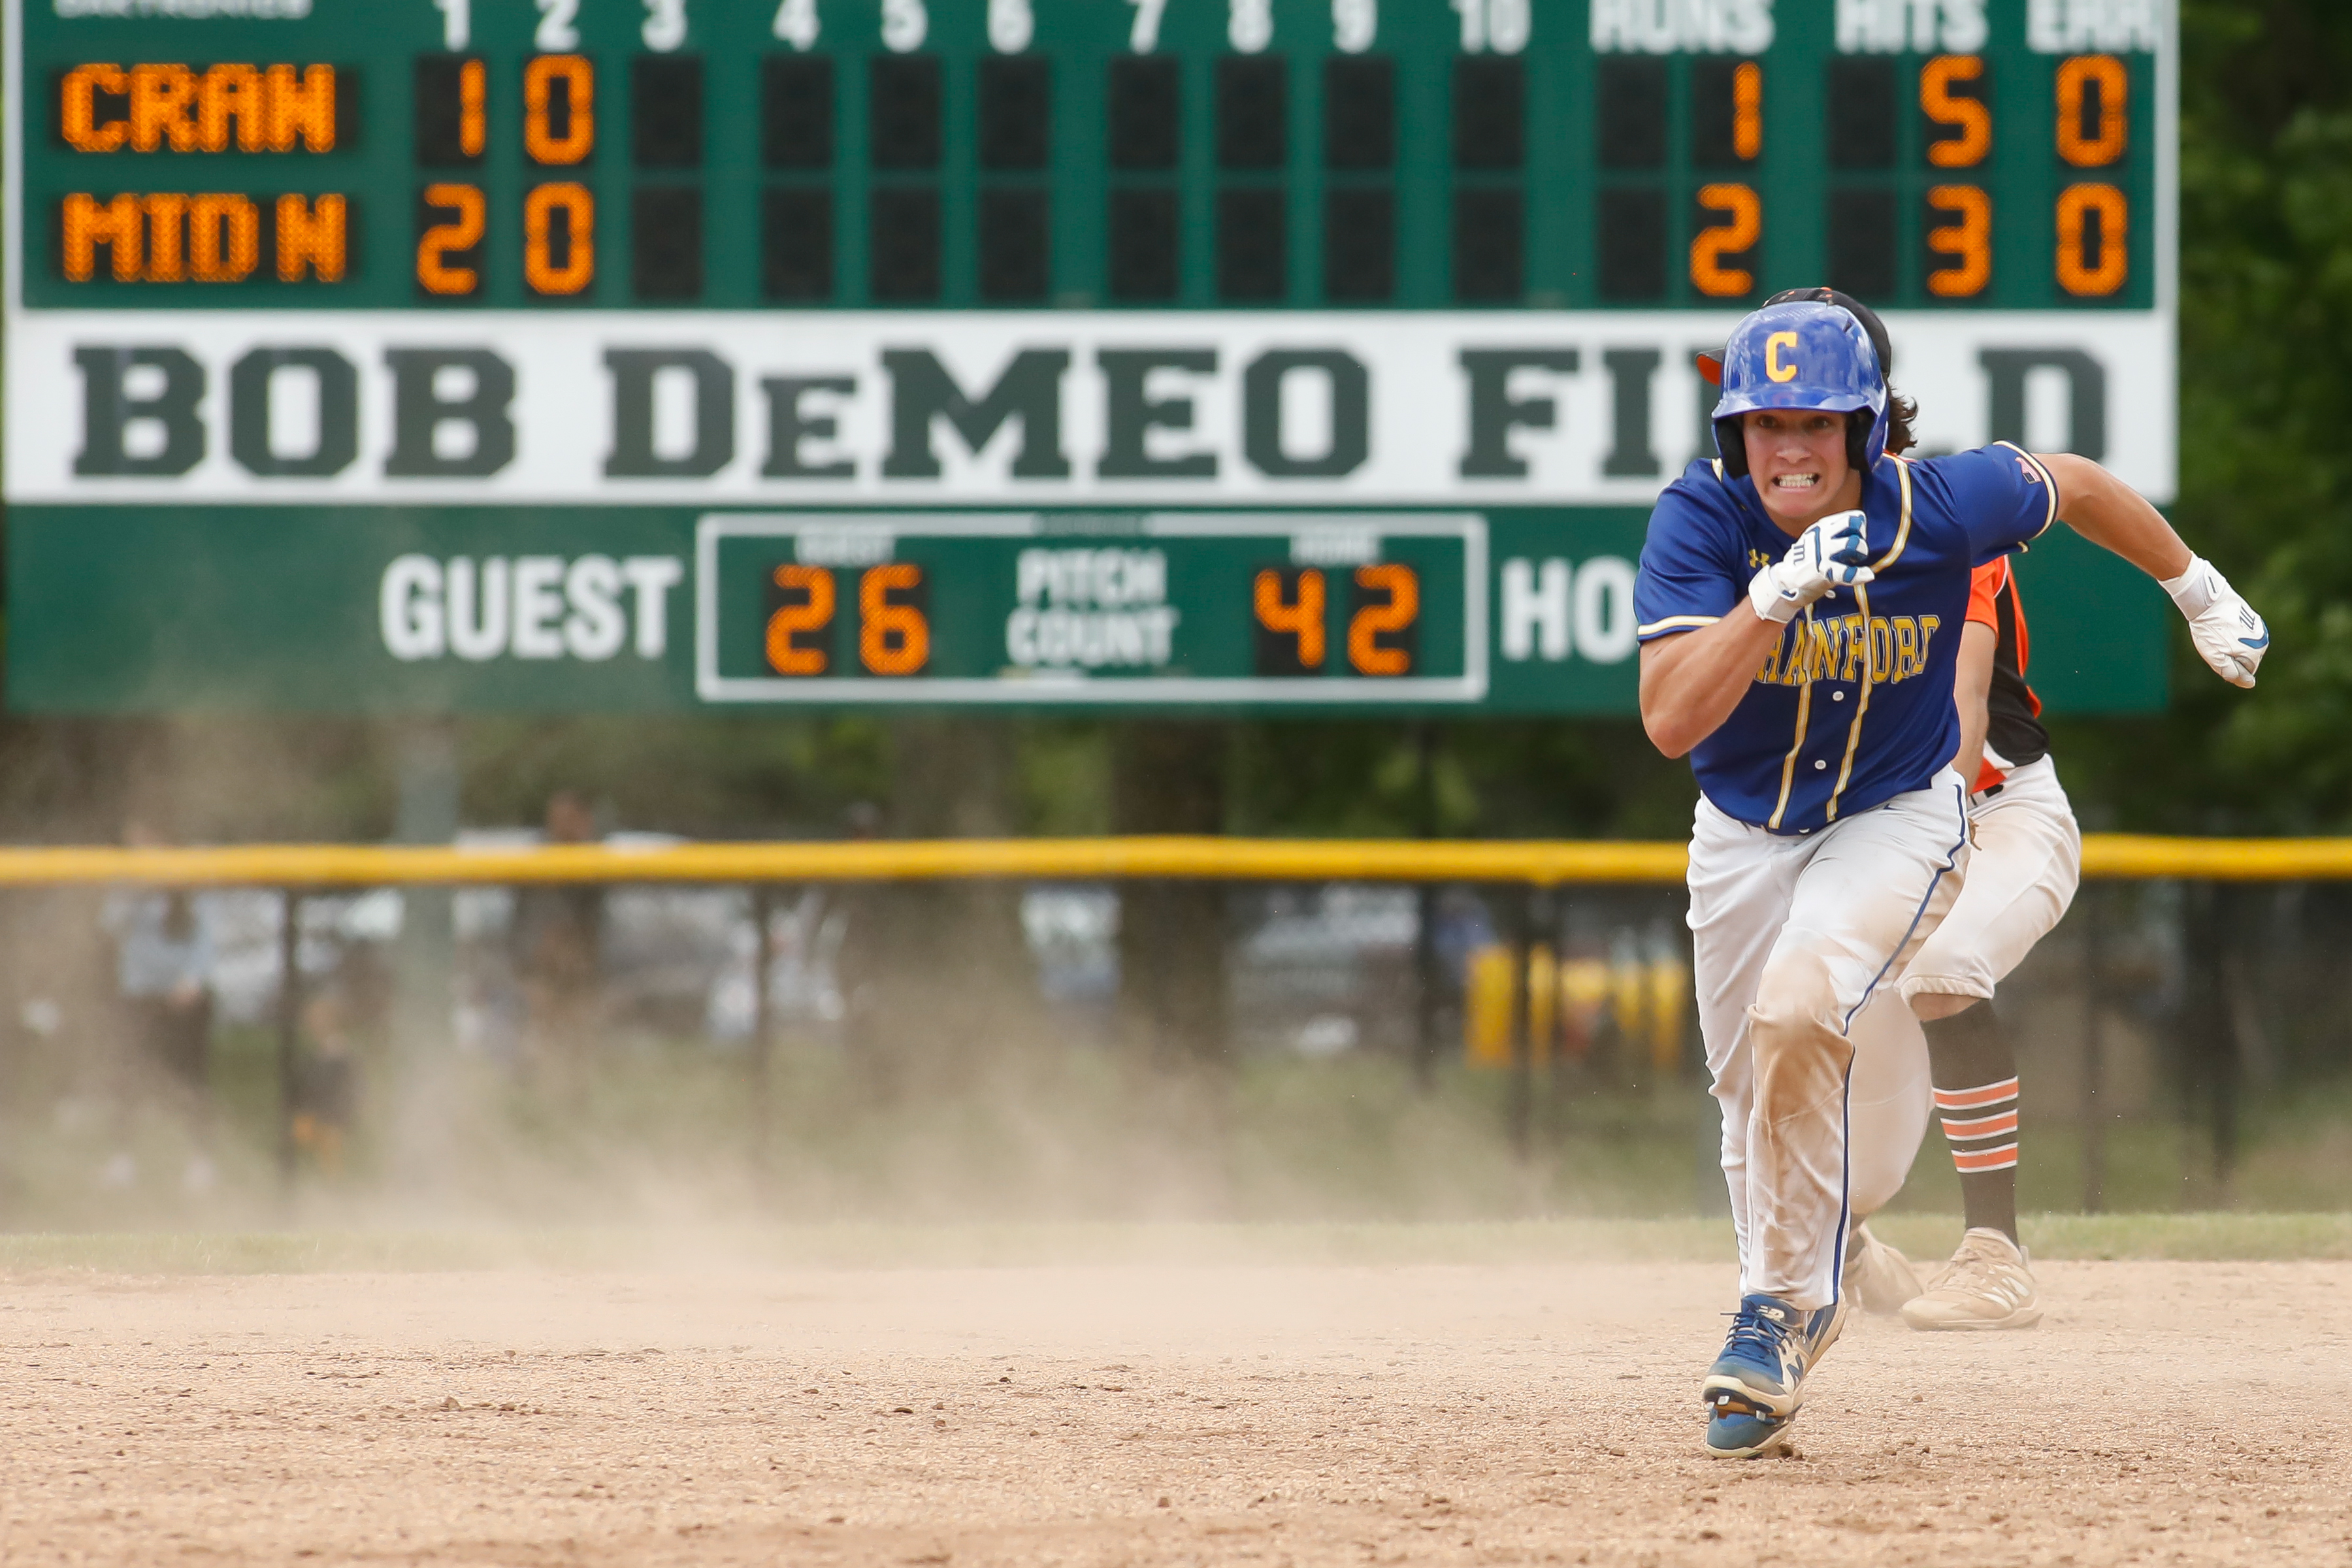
(2023, 864)
(2023, 872)
(1799, 605)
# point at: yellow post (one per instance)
(1543, 1009)
(1486, 1007)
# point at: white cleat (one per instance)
(1988, 1284)
(1878, 1278)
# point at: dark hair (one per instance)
(1900, 412)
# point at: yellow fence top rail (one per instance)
(1540, 862)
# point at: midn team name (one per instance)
(1834, 648)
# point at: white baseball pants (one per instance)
(2021, 877)
(1890, 1101)
(1791, 938)
(2023, 866)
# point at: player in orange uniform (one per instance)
(2027, 861)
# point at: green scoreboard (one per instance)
(433, 355)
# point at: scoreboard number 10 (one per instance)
(559, 217)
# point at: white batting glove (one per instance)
(2229, 635)
(1832, 554)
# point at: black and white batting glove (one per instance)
(1832, 554)
(2229, 635)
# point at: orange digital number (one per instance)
(1373, 621)
(564, 207)
(541, 138)
(1961, 114)
(2100, 83)
(1743, 226)
(894, 638)
(1300, 618)
(813, 616)
(473, 108)
(1967, 241)
(1747, 111)
(434, 272)
(2093, 248)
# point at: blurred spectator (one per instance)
(557, 935)
(869, 914)
(164, 961)
(326, 1083)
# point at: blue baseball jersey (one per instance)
(1854, 706)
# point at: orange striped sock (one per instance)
(1975, 1072)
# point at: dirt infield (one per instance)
(1135, 1415)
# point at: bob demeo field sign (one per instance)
(1326, 354)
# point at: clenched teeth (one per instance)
(1796, 481)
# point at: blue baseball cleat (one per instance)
(1733, 1433)
(1755, 1387)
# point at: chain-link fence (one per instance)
(319, 1011)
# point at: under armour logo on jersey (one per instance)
(1758, 558)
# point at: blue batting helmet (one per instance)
(1852, 307)
(1803, 355)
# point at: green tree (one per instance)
(2265, 434)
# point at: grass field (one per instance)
(2200, 1237)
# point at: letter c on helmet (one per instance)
(1772, 365)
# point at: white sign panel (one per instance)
(1086, 408)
